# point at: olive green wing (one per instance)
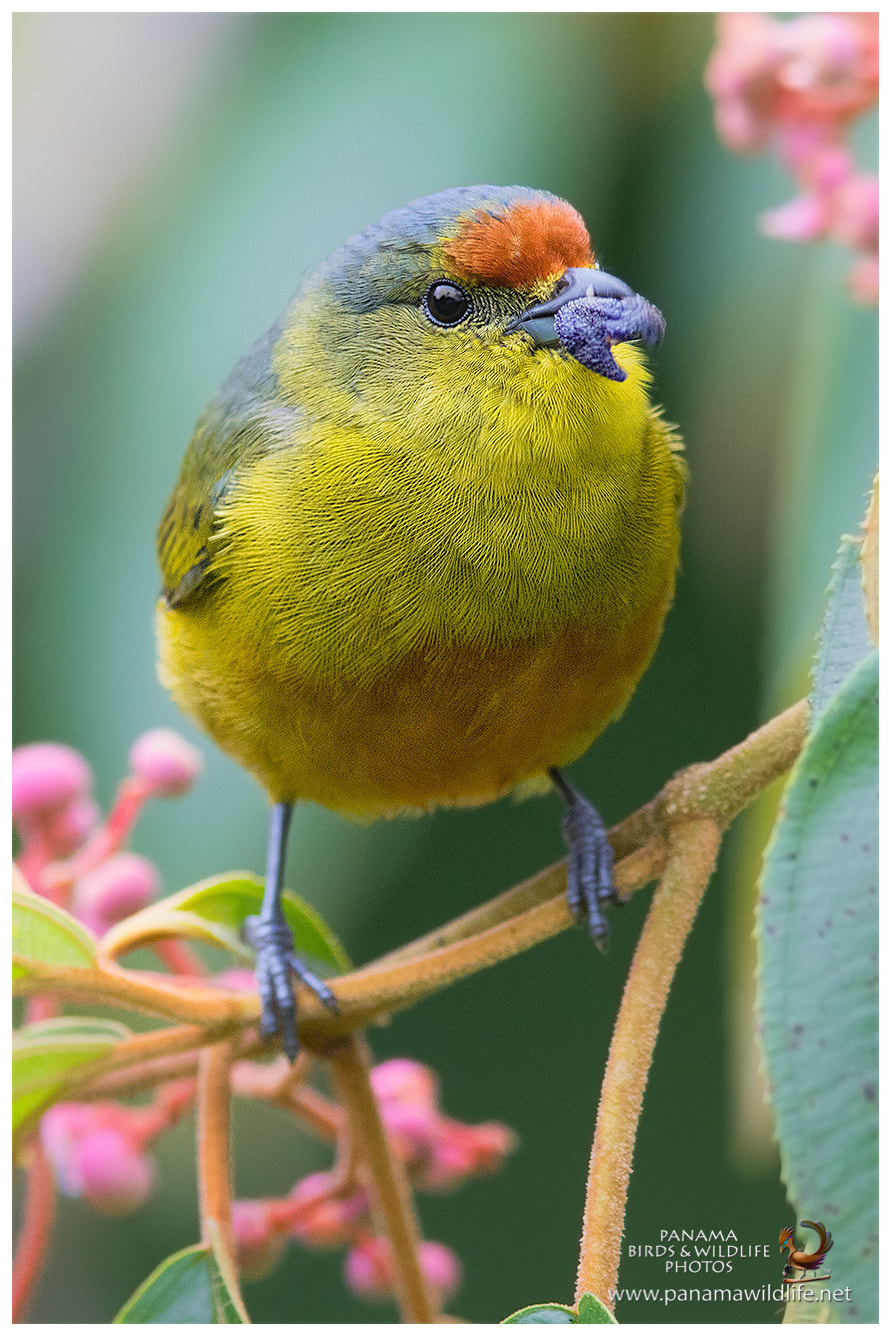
(246, 421)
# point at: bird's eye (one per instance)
(446, 304)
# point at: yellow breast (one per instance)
(426, 608)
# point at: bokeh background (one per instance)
(176, 175)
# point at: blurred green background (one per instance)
(176, 176)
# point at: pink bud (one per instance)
(441, 1268)
(62, 1128)
(94, 1157)
(67, 829)
(739, 127)
(122, 885)
(319, 1218)
(117, 1178)
(400, 1080)
(165, 763)
(462, 1151)
(802, 219)
(45, 777)
(258, 1244)
(412, 1129)
(367, 1269)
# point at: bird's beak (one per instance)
(588, 313)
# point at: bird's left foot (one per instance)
(589, 870)
(277, 965)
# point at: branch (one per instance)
(214, 1175)
(33, 1242)
(392, 1205)
(694, 847)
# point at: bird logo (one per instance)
(805, 1261)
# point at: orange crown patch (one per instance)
(528, 243)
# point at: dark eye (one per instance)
(446, 304)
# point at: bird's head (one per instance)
(476, 286)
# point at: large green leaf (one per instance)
(186, 1288)
(47, 1054)
(844, 635)
(818, 930)
(44, 933)
(214, 911)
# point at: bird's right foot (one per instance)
(276, 967)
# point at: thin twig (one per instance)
(214, 1169)
(392, 1204)
(33, 1242)
(694, 847)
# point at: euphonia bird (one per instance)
(424, 539)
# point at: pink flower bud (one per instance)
(367, 1269)
(94, 1156)
(802, 219)
(740, 129)
(400, 1080)
(412, 1129)
(258, 1244)
(165, 763)
(67, 829)
(62, 1128)
(117, 1177)
(46, 777)
(463, 1151)
(122, 885)
(322, 1220)
(441, 1268)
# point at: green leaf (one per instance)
(214, 911)
(45, 934)
(185, 1288)
(844, 636)
(818, 941)
(47, 1054)
(558, 1314)
(592, 1309)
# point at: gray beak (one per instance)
(576, 284)
(589, 312)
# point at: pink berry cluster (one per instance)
(68, 853)
(801, 84)
(329, 1210)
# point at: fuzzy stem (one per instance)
(214, 1167)
(391, 1196)
(693, 849)
(33, 1242)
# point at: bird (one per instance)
(424, 539)
(802, 1261)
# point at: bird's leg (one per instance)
(273, 942)
(589, 869)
